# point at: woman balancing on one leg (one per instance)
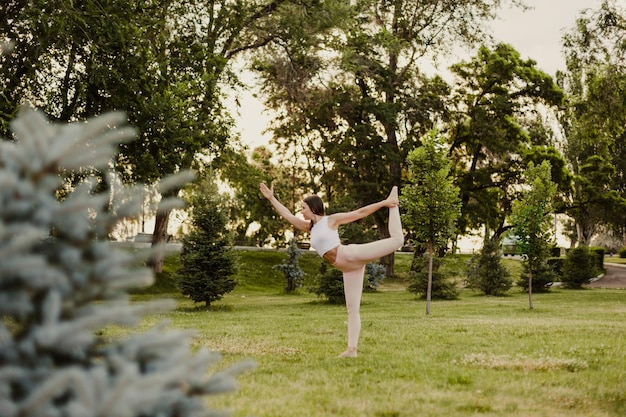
(349, 259)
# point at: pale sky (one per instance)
(536, 34)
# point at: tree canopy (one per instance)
(497, 99)
(165, 63)
(594, 122)
(352, 93)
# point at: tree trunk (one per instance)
(159, 235)
(429, 288)
(159, 238)
(530, 287)
(585, 229)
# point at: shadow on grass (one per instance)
(325, 303)
(201, 307)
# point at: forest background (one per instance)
(351, 92)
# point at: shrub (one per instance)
(443, 287)
(543, 276)
(374, 273)
(597, 254)
(294, 275)
(487, 273)
(578, 267)
(58, 293)
(329, 283)
(622, 252)
(557, 266)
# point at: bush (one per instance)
(442, 287)
(597, 255)
(486, 272)
(578, 268)
(543, 276)
(374, 274)
(329, 283)
(557, 266)
(622, 252)
(294, 275)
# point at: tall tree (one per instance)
(431, 201)
(492, 140)
(532, 226)
(352, 86)
(164, 62)
(594, 124)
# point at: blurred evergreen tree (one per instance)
(59, 290)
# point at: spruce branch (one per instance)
(61, 285)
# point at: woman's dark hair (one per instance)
(315, 203)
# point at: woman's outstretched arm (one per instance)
(297, 222)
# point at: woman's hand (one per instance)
(267, 192)
(284, 212)
(392, 200)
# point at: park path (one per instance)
(614, 277)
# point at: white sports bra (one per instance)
(324, 238)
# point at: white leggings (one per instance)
(351, 260)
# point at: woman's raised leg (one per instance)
(365, 252)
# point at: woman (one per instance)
(349, 259)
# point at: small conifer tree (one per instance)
(330, 286)
(487, 273)
(207, 258)
(290, 267)
(374, 273)
(543, 274)
(60, 286)
(578, 268)
(441, 286)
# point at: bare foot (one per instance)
(393, 200)
(349, 353)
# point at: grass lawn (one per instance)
(476, 356)
(615, 260)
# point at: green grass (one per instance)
(615, 260)
(476, 356)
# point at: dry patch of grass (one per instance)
(521, 362)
